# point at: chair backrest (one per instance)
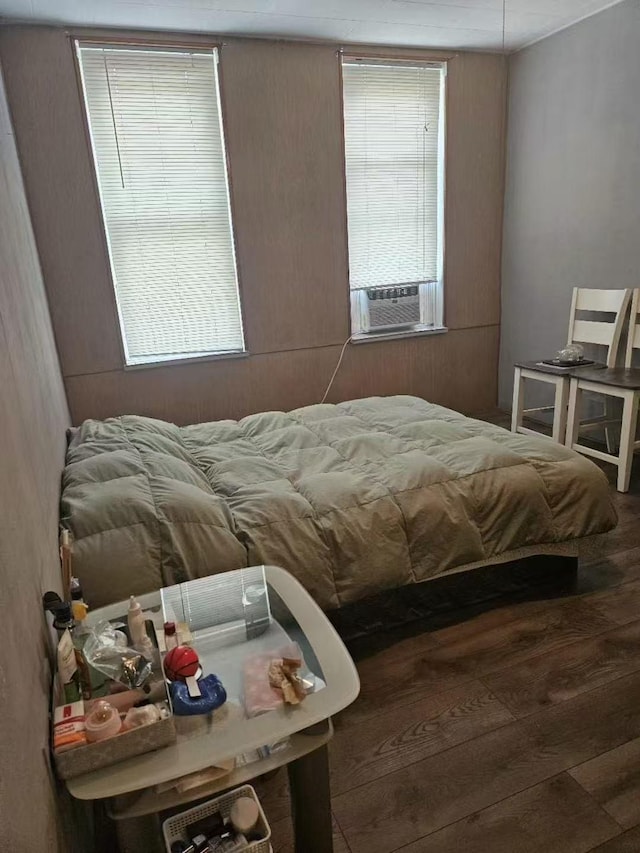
(633, 338)
(600, 332)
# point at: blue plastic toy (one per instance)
(213, 696)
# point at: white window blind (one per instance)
(156, 129)
(394, 158)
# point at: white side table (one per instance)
(232, 615)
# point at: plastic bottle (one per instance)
(68, 668)
(137, 628)
(92, 681)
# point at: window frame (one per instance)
(202, 46)
(358, 335)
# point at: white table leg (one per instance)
(560, 404)
(573, 413)
(518, 400)
(627, 439)
(608, 427)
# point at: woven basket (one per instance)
(174, 827)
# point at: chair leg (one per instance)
(518, 400)
(627, 439)
(560, 404)
(573, 413)
(608, 428)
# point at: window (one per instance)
(156, 129)
(394, 158)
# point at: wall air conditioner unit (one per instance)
(387, 308)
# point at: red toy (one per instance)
(181, 663)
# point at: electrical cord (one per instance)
(335, 372)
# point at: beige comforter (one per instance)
(351, 498)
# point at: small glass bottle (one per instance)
(76, 590)
(170, 636)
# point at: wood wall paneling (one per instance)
(437, 368)
(33, 419)
(284, 137)
(56, 162)
(474, 189)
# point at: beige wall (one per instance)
(572, 203)
(282, 104)
(33, 419)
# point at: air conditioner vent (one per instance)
(391, 308)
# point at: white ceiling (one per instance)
(475, 24)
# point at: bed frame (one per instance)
(454, 597)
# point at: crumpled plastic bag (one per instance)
(106, 650)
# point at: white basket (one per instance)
(174, 827)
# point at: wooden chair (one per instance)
(583, 331)
(621, 382)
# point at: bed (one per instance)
(353, 498)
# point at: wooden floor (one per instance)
(517, 731)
